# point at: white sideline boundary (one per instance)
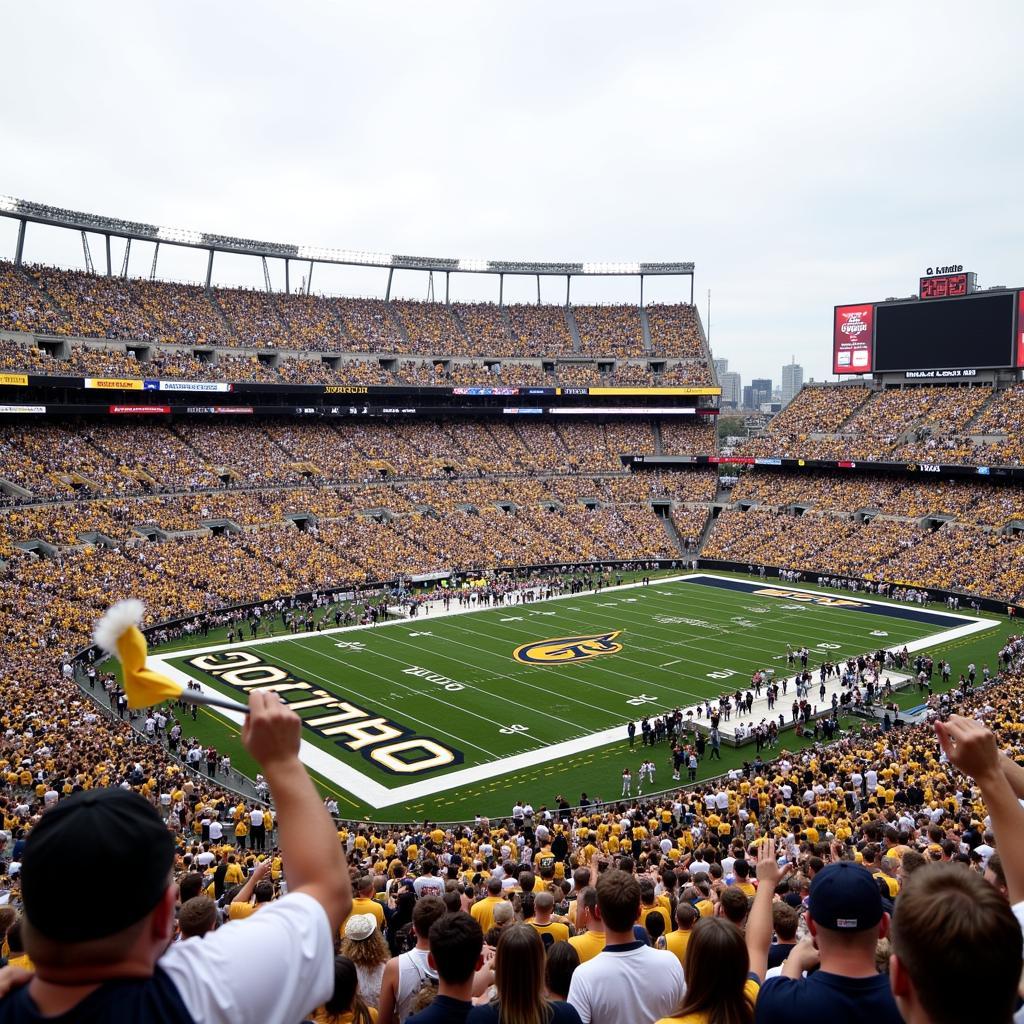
(378, 796)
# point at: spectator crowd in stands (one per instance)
(872, 875)
(67, 303)
(965, 425)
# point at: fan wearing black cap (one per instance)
(846, 919)
(99, 959)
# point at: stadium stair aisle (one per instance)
(460, 327)
(211, 297)
(673, 534)
(48, 300)
(574, 329)
(645, 328)
(982, 409)
(397, 321)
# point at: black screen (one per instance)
(945, 334)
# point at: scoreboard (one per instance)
(950, 330)
(947, 286)
(974, 332)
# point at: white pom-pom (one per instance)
(115, 621)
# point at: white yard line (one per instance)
(435, 611)
(378, 796)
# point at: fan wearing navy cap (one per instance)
(846, 920)
(106, 960)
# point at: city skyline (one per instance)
(761, 390)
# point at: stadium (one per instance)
(548, 472)
(429, 638)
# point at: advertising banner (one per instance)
(192, 385)
(114, 383)
(685, 392)
(851, 338)
(220, 410)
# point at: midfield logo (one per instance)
(567, 648)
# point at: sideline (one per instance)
(379, 796)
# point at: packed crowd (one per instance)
(62, 461)
(540, 330)
(50, 301)
(855, 880)
(112, 462)
(610, 330)
(346, 537)
(690, 436)
(882, 866)
(967, 425)
(967, 559)
(164, 362)
(675, 330)
(911, 496)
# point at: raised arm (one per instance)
(258, 874)
(1014, 774)
(971, 746)
(313, 858)
(759, 922)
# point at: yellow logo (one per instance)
(797, 595)
(567, 648)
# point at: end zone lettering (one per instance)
(390, 746)
(797, 595)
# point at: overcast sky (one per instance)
(800, 154)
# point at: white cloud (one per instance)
(801, 153)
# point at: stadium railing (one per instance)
(139, 738)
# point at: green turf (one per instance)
(663, 659)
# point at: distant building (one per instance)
(792, 380)
(732, 392)
(721, 366)
(760, 392)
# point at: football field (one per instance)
(419, 717)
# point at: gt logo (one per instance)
(567, 648)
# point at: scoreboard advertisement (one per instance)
(950, 330)
(852, 338)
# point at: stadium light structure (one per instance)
(26, 212)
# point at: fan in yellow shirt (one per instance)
(234, 875)
(677, 941)
(483, 910)
(364, 903)
(589, 942)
